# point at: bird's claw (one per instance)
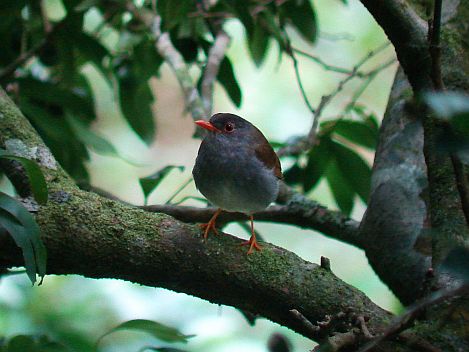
(210, 226)
(252, 243)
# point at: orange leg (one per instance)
(252, 241)
(211, 224)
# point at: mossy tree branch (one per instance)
(96, 237)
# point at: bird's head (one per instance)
(229, 125)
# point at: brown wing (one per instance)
(266, 154)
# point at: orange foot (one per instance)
(210, 226)
(252, 243)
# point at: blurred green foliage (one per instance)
(53, 86)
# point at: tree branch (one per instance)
(171, 55)
(215, 57)
(100, 238)
(299, 212)
(398, 181)
(96, 237)
(408, 33)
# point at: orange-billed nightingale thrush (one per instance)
(236, 169)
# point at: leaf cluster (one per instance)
(20, 224)
(32, 343)
(335, 158)
(54, 93)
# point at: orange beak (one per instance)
(207, 125)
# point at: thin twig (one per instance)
(323, 64)
(406, 320)
(179, 190)
(300, 85)
(435, 48)
(338, 342)
(203, 14)
(26, 55)
(305, 321)
(215, 57)
(183, 199)
(291, 52)
(20, 60)
(173, 57)
(362, 324)
(307, 142)
(369, 77)
(45, 20)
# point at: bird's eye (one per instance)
(229, 127)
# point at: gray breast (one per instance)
(234, 179)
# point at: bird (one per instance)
(236, 169)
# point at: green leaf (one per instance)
(146, 60)
(267, 19)
(258, 42)
(52, 94)
(158, 330)
(302, 16)
(31, 343)
(22, 343)
(91, 50)
(172, 14)
(188, 47)
(294, 175)
(136, 99)
(357, 132)
(36, 178)
(49, 121)
(90, 138)
(369, 119)
(340, 188)
(149, 183)
(48, 124)
(86, 5)
(460, 124)
(66, 68)
(21, 225)
(241, 11)
(372, 121)
(457, 263)
(227, 79)
(318, 160)
(355, 170)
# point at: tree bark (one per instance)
(396, 212)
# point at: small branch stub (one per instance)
(325, 263)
